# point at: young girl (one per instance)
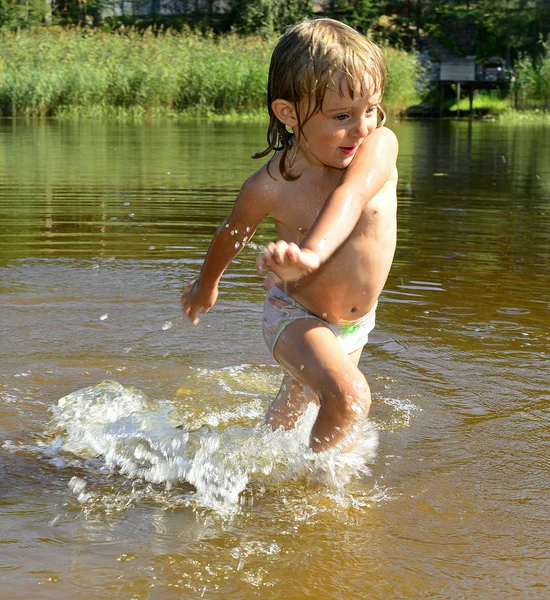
(331, 189)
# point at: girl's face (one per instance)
(332, 136)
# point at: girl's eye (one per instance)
(371, 110)
(341, 117)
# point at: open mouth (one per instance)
(348, 151)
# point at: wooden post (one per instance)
(458, 99)
(471, 91)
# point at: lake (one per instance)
(103, 223)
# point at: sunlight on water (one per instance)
(103, 495)
(138, 438)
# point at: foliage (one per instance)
(359, 14)
(266, 16)
(506, 28)
(48, 70)
(407, 79)
(532, 84)
(17, 13)
(486, 27)
(52, 71)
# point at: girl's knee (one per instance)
(349, 396)
(360, 399)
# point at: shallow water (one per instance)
(101, 225)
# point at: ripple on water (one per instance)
(513, 310)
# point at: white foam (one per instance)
(136, 437)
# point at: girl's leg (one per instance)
(292, 400)
(314, 359)
(289, 404)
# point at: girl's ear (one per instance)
(285, 112)
(381, 116)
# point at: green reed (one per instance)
(532, 84)
(407, 82)
(54, 71)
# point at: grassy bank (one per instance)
(52, 72)
(501, 106)
(529, 97)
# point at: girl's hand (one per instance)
(287, 261)
(196, 300)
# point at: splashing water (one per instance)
(136, 437)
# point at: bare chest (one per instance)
(298, 205)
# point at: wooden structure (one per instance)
(465, 73)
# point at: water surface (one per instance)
(102, 224)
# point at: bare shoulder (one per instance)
(381, 142)
(377, 153)
(261, 188)
(387, 134)
(389, 144)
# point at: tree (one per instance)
(266, 16)
(22, 13)
(359, 14)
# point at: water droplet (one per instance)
(248, 230)
(227, 225)
(324, 315)
(152, 248)
(237, 245)
(104, 317)
(77, 485)
(126, 204)
(167, 325)
(168, 172)
(131, 215)
(233, 232)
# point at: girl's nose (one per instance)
(361, 128)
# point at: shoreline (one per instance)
(139, 114)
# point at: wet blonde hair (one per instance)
(307, 60)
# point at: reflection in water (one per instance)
(102, 223)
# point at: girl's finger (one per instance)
(293, 252)
(280, 251)
(271, 281)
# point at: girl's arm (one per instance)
(251, 207)
(361, 181)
